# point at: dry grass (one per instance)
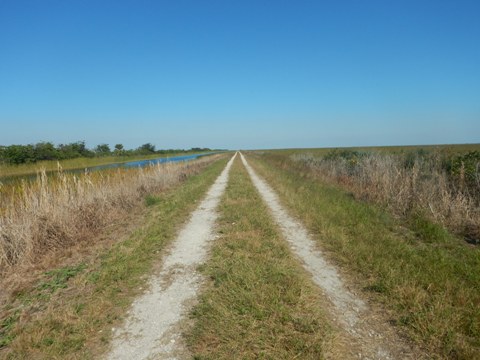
(65, 305)
(55, 212)
(421, 188)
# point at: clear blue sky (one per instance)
(240, 74)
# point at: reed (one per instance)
(57, 211)
(416, 187)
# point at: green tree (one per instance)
(46, 151)
(102, 150)
(119, 150)
(74, 150)
(146, 149)
(19, 154)
(2, 153)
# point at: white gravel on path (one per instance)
(151, 330)
(370, 339)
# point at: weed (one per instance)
(57, 279)
(6, 326)
(428, 231)
(378, 287)
(151, 200)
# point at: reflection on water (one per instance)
(142, 163)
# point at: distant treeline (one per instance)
(24, 154)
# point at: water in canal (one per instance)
(128, 164)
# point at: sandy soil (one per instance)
(364, 333)
(152, 328)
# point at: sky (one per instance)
(240, 74)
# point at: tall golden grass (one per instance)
(57, 211)
(422, 187)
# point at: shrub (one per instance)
(410, 184)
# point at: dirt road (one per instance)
(153, 328)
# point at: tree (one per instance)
(102, 150)
(146, 149)
(19, 154)
(45, 151)
(74, 150)
(2, 153)
(119, 149)
(198, 149)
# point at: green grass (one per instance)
(6, 326)
(427, 278)
(86, 300)
(39, 296)
(58, 278)
(151, 200)
(260, 303)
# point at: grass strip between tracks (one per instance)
(260, 303)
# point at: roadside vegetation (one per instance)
(428, 278)
(51, 213)
(64, 303)
(18, 160)
(419, 185)
(259, 304)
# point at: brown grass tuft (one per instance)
(422, 187)
(59, 211)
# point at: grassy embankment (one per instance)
(427, 278)
(69, 310)
(441, 185)
(72, 164)
(260, 303)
